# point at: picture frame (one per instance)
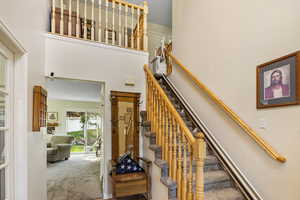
(52, 116)
(278, 82)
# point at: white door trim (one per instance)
(19, 105)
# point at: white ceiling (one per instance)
(74, 90)
(160, 11)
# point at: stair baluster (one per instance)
(184, 172)
(179, 161)
(166, 152)
(170, 156)
(174, 159)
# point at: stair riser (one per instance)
(217, 185)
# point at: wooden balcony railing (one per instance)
(172, 61)
(180, 148)
(113, 22)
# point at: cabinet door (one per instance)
(125, 123)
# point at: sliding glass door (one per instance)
(85, 128)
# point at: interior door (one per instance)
(125, 123)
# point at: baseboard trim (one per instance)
(107, 196)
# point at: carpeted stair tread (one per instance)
(211, 160)
(215, 176)
(223, 194)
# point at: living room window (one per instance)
(6, 159)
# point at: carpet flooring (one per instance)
(75, 179)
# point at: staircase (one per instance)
(218, 185)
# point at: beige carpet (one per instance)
(75, 179)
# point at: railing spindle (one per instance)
(160, 120)
(152, 107)
(77, 20)
(162, 125)
(53, 21)
(61, 17)
(85, 20)
(174, 160)
(167, 135)
(70, 19)
(92, 21)
(132, 28)
(138, 30)
(145, 25)
(126, 26)
(113, 22)
(120, 24)
(170, 146)
(190, 175)
(156, 117)
(199, 157)
(184, 172)
(179, 162)
(106, 21)
(100, 23)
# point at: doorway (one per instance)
(75, 129)
(125, 123)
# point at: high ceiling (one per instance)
(74, 90)
(160, 11)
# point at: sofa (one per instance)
(59, 148)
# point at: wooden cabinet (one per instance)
(125, 114)
(39, 108)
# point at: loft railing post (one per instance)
(70, 19)
(77, 20)
(61, 17)
(138, 30)
(131, 36)
(126, 24)
(85, 20)
(53, 23)
(92, 21)
(100, 23)
(199, 150)
(145, 24)
(113, 22)
(120, 24)
(106, 21)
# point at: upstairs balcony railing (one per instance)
(112, 22)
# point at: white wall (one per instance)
(70, 58)
(63, 106)
(156, 33)
(222, 42)
(27, 20)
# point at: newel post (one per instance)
(199, 152)
(145, 36)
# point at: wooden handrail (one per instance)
(186, 131)
(261, 142)
(128, 4)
